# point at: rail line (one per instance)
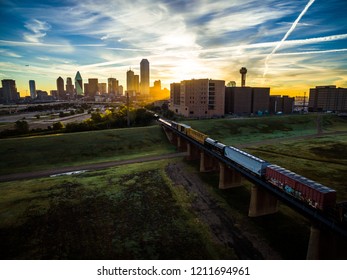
(313, 214)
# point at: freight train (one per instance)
(309, 192)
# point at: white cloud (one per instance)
(212, 38)
(37, 30)
(7, 53)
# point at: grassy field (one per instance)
(128, 212)
(248, 130)
(323, 159)
(116, 212)
(46, 152)
(286, 232)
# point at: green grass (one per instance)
(45, 152)
(128, 212)
(322, 159)
(135, 190)
(240, 131)
(59, 150)
(286, 231)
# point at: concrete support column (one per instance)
(181, 144)
(169, 134)
(228, 178)
(262, 202)
(325, 245)
(207, 163)
(192, 151)
(313, 249)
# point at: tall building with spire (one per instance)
(144, 77)
(78, 84)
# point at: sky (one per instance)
(289, 46)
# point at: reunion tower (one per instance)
(243, 72)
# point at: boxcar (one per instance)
(183, 127)
(196, 135)
(248, 161)
(311, 192)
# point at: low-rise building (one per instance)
(281, 104)
(246, 100)
(198, 98)
(327, 98)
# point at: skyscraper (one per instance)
(69, 87)
(9, 91)
(102, 88)
(93, 87)
(144, 76)
(78, 84)
(136, 83)
(112, 86)
(130, 80)
(32, 88)
(60, 88)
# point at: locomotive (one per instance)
(309, 192)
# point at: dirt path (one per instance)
(96, 166)
(221, 224)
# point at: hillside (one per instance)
(59, 150)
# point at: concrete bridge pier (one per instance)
(207, 163)
(182, 144)
(193, 152)
(262, 202)
(325, 245)
(172, 137)
(228, 178)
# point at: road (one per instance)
(89, 167)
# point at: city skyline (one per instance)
(289, 47)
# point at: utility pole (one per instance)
(304, 103)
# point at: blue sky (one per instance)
(289, 46)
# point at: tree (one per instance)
(142, 117)
(96, 117)
(58, 126)
(22, 126)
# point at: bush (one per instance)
(58, 126)
(22, 126)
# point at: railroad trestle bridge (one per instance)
(326, 235)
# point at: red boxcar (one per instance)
(313, 193)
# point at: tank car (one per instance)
(247, 161)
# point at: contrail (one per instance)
(287, 34)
